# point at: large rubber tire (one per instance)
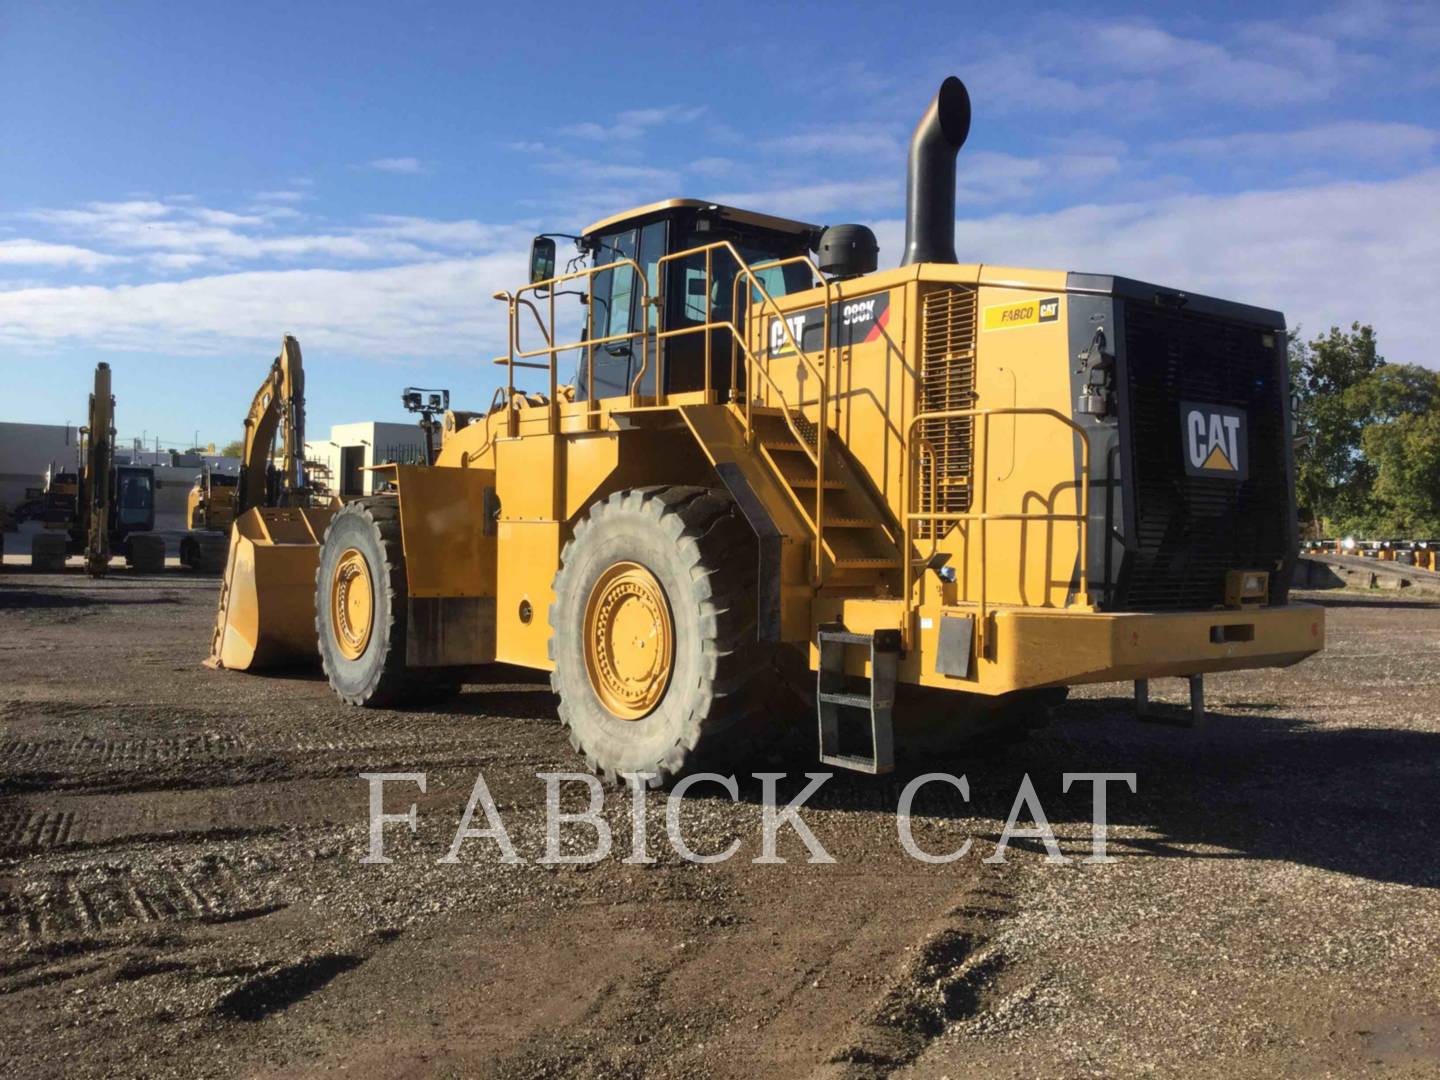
(702, 555)
(377, 676)
(145, 553)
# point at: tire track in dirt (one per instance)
(87, 902)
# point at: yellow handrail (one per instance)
(517, 356)
(982, 516)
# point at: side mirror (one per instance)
(542, 259)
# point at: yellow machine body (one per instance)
(1035, 619)
(211, 502)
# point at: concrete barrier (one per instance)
(1325, 571)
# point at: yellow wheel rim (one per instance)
(352, 604)
(629, 640)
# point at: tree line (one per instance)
(1367, 457)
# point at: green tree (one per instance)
(233, 448)
(1332, 476)
(1401, 443)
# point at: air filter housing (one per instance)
(847, 251)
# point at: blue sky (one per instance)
(180, 184)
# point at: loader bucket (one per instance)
(266, 614)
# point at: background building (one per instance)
(26, 451)
(352, 448)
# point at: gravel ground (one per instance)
(181, 891)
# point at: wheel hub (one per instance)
(352, 604)
(629, 640)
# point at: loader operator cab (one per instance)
(647, 234)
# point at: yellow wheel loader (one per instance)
(99, 508)
(948, 490)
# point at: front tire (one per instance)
(653, 633)
(360, 600)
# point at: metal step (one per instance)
(854, 701)
(881, 563)
(831, 696)
(802, 475)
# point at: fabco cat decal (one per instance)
(1022, 313)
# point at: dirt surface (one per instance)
(181, 891)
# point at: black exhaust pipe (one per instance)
(930, 186)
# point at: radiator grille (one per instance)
(1190, 530)
(947, 382)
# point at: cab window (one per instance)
(698, 306)
(652, 249)
(613, 291)
(136, 492)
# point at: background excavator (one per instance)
(948, 490)
(97, 509)
(275, 532)
(217, 499)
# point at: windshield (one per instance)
(776, 280)
(136, 491)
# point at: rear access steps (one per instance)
(836, 691)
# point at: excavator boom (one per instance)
(95, 481)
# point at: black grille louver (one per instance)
(947, 383)
(1185, 532)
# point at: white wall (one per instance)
(26, 451)
(373, 438)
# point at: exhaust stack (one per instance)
(930, 185)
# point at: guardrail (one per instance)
(756, 370)
(980, 494)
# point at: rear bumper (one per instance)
(1043, 648)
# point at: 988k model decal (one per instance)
(852, 322)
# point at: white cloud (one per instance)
(282, 196)
(1079, 65)
(435, 308)
(41, 253)
(1323, 255)
(184, 237)
(711, 166)
(983, 177)
(1347, 141)
(407, 166)
(593, 171)
(809, 201)
(840, 140)
(633, 123)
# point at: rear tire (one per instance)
(657, 665)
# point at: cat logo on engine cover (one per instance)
(1215, 441)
